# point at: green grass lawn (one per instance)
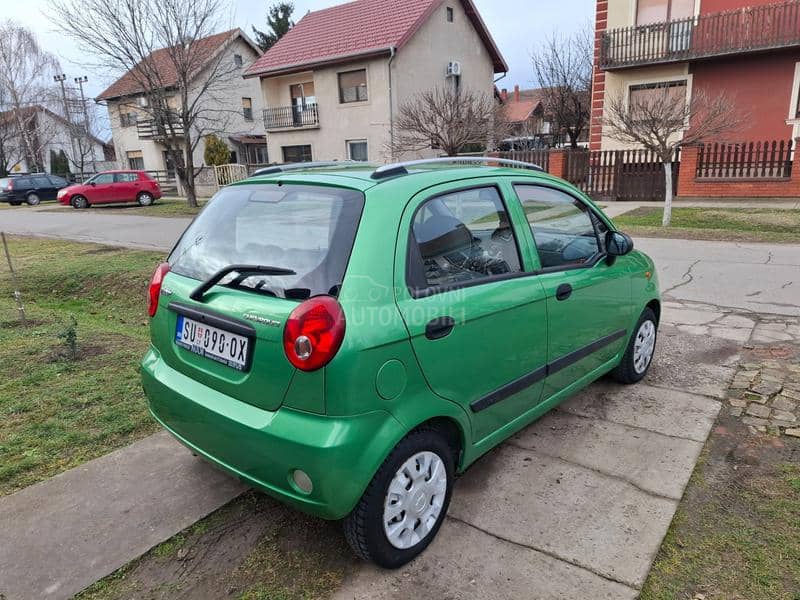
(735, 224)
(166, 207)
(58, 411)
(736, 534)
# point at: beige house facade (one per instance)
(341, 106)
(234, 116)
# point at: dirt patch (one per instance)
(253, 548)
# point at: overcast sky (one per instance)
(516, 25)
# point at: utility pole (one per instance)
(80, 81)
(61, 79)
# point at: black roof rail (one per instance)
(303, 165)
(401, 168)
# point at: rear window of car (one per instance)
(4, 183)
(308, 229)
(22, 182)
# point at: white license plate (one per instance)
(217, 344)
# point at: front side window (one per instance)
(562, 226)
(307, 229)
(296, 154)
(460, 238)
(353, 86)
(102, 178)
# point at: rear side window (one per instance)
(57, 181)
(42, 182)
(308, 229)
(125, 177)
(460, 238)
(22, 183)
(563, 228)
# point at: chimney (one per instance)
(516, 93)
(504, 95)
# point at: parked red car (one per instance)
(112, 187)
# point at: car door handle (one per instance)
(563, 292)
(440, 327)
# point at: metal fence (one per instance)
(748, 160)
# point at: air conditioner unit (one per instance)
(143, 101)
(453, 68)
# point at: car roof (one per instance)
(360, 177)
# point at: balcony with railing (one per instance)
(751, 29)
(159, 128)
(291, 117)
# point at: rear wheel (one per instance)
(33, 199)
(144, 199)
(639, 354)
(405, 503)
(79, 202)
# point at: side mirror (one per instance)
(92, 183)
(618, 244)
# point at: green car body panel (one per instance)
(515, 351)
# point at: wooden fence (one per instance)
(748, 160)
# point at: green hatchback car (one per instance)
(349, 339)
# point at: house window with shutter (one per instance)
(247, 109)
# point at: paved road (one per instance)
(762, 278)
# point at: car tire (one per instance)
(33, 199)
(424, 452)
(145, 199)
(79, 202)
(639, 353)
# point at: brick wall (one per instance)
(690, 186)
(598, 77)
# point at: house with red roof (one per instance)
(334, 83)
(235, 111)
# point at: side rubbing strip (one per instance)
(535, 376)
(581, 353)
(509, 389)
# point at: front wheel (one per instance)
(405, 503)
(79, 202)
(639, 353)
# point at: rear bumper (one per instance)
(263, 448)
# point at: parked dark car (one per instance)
(30, 188)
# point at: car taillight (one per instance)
(314, 333)
(10, 186)
(155, 288)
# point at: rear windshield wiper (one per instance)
(198, 294)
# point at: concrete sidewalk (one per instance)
(63, 534)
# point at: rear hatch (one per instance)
(275, 246)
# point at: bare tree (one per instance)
(563, 67)
(25, 71)
(448, 119)
(160, 44)
(663, 120)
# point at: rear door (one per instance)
(126, 186)
(588, 299)
(477, 319)
(307, 229)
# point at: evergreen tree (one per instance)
(59, 163)
(279, 22)
(216, 152)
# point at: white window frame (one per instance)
(356, 141)
(688, 77)
(793, 118)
